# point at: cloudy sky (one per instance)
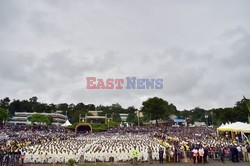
(199, 48)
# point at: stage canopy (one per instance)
(235, 127)
(67, 123)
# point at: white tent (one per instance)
(235, 127)
(67, 123)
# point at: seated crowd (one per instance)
(52, 144)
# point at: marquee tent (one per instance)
(235, 127)
(67, 123)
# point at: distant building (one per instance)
(94, 117)
(180, 122)
(199, 124)
(139, 113)
(124, 117)
(22, 118)
(153, 122)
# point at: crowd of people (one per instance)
(53, 144)
(15, 140)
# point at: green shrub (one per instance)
(113, 124)
(96, 127)
(71, 162)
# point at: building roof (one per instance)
(235, 127)
(179, 120)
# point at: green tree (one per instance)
(40, 119)
(247, 102)
(4, 103)
(50, 119)
(33, 99)
(132, 118)
(198, 114)
(3, 115)
(114, 112)
(240, 111)
(15, 106)
(113, 124)
(74, 111)
(231, 114)
(156, 108)
(26, 106)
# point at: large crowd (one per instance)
(15, 140)
(52, 144)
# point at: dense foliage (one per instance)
(157, 108)
(71, 162)
(3, 115)
(40, 119)
(153, 109)
(248, 107)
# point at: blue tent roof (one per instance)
(179, 120)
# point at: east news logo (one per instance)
(131, 83)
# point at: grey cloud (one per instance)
(15, 66)
(48, 48)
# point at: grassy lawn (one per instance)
(91, 164)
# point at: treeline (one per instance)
(216, 116)
(73, 111)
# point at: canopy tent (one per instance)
(179, 120)
(235, 127)
(67, 123)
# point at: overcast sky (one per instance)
(200, 48)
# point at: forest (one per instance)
(153, 109)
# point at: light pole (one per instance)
(206, 116)
(108, 124)
(80, 118)
(138, 116)
(112, 116)
(212, 118)
(150, 120)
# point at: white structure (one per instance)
(235, 127)
(199, 124)
(124, 117)
(67, 123)
(173, 117)
(94, 117)
(22, 118)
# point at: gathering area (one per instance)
(22, 144)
